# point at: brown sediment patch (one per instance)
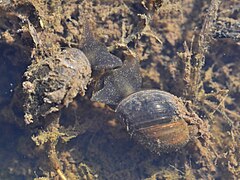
(105, 152)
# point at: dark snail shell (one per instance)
(52, 83)
(155, 119)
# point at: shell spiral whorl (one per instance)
(53, 82)
(154, 119)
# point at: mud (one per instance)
(181, 49)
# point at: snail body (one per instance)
(155, 119)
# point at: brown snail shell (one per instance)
(155, 119)
(52, 83)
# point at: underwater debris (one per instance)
(227, 28)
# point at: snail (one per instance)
(156, 119)
(52, 83)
